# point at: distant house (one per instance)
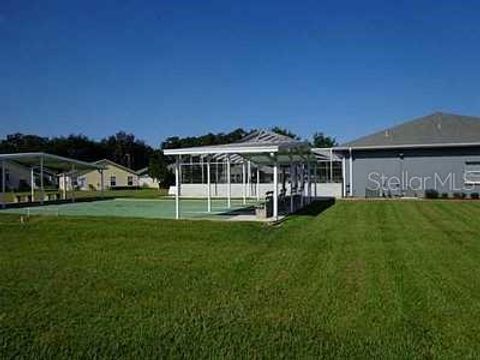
(114, 176)
(145, 180)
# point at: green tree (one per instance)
(126, 150)
(285, 132)
(320, 140)
(158, 169)
(175, 142)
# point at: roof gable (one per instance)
(113, 163)
(435, 129)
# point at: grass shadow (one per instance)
(317, 207)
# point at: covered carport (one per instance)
(39, 163)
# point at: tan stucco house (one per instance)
(114, 176)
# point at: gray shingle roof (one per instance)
(437, 128)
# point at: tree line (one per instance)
(127, 150)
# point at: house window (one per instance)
(130, 180)
(81, 182)
(329, 172)
(472, 172)
(113, 181)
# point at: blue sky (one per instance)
(163, 68)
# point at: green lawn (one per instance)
(382, 279)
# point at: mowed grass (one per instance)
(362, 279)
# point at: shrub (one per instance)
(475, 196)
(431, 194)
(444, 195)
(459, 195)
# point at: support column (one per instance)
(351, 173)
(4, 178)
(258, 183)
(42, 190)
(275, 190)
(72, 182)
(64, 186)
(344, 177)
(209, 195)
(291, 186)
(249, 177)
(331, 165)
(302, 190)
(244, 183)
(177, 188)
(229, 183)
(102, 183)
(309, 184)
(315, 180)
(32, 184)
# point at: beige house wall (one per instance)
(92, 179)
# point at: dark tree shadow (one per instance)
(317, 207)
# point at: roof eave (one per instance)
(210, 150)
(404, 146)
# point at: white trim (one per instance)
(405, 146)
(222, 150)
(472, 182)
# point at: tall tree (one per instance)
(158, 169)
(126, 150)
(77, 147)
(175, 142)
(285, 132)
(320, 140)
(24, 143)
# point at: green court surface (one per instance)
(142, 208)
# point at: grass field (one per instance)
(362, 279)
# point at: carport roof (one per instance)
(52, 162)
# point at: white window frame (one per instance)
(114, 182)
(476, 173)
(130, 181)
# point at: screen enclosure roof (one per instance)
(261, 147)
